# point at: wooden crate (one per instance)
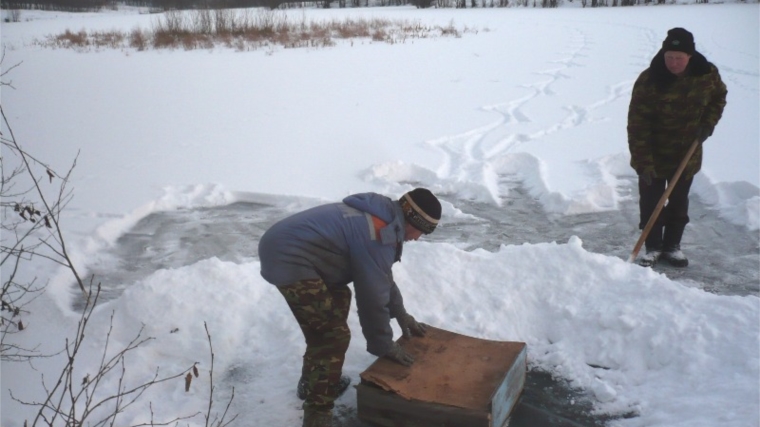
(456, 381)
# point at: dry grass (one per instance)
(247, 30)
(83, 40)
(69, 39)
(138, 39)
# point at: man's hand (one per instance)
(399, 355)
(647, 176)
(410, 327)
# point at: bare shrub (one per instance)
(33, 197)
(110, 39)
(28, 230)
(240, 20)
(203, 21)
(69, 39)
(193, 41)
(322, 42)
(379, 35)
(349, 28)
(450, 30)
(138, 39)
(319, 31)
(73, 400)
(270, 21)
(252, 36)
(415, 30)
(224, 20)
(174, 21)
(170, 31)
(15, 15)
(164, 40)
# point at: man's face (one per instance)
(676, 62)
(411, 233)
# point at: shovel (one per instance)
(663, 199)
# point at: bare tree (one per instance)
(32, 197)
(29, 229)
(73, 401)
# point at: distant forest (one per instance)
(163, 5)
(157, 5)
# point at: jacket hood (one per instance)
(387, 210)
(374, 204)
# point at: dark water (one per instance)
(725, 259)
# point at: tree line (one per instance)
(156, 5)
(162, 5)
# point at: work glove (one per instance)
(410, 327)
(704, 132)
(647, 176)
(399, 355)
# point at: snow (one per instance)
(539, 96)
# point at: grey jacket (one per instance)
(340, 244)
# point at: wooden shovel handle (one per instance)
(663, 199)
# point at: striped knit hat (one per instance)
(421, 209)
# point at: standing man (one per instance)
(313, 255)
(677, 100)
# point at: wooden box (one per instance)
(455, 381)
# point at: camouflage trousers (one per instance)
(321, 313)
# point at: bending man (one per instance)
(313, 255)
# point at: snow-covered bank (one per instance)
(641, 343)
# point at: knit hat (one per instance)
(679, 40)
(421, 209)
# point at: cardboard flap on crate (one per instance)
(449, 368)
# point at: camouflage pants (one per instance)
(321, 313)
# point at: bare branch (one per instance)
(31, 230)
(7, 70)
(221, 422)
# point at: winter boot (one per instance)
(675, 257)
(653, 245)
(341, 388)
(671, 244)
(654, 239)
(650, 258)
(316, 418)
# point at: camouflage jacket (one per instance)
(666, 113)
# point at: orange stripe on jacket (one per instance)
(378, 224)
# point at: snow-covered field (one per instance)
(536, 97)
